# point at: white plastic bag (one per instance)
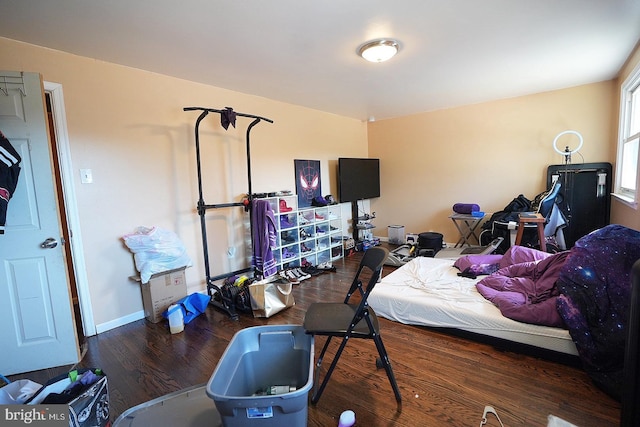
(156, 250)
(18, 392)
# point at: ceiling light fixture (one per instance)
(379, 50)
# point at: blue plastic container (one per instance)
(257, 358)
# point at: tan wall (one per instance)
(622, 213)
(486, 154)
(128, 126)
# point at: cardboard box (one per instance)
(162, 290)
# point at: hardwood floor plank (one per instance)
(444, 379)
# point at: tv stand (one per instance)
(356, 226)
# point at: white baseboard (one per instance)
(115, 323)
(121, 321)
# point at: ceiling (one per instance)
(453, 52)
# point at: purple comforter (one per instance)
(585, 290)
(595, 287)
(526, 290)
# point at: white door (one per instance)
(37, 329)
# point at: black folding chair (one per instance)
(345, 320)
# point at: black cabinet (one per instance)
(585, 196)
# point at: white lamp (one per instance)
(379, 50)
(567, 152)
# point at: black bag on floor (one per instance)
(497, 225)
(429, 243)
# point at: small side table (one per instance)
(537, 219)
(466, 225)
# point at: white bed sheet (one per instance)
(429, 292)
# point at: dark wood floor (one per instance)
(444, 379)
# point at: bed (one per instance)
(429, 292)
(572, 303)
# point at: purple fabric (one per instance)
(466, 208)
(517, 254)
(526, 291)
(476, 265)
(264, 237)
(488, 264)
(596, 287)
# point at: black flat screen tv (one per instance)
(358, 179)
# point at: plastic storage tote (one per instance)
(190, 407)
(255, 360)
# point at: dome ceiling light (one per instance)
(379, 50)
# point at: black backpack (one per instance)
(509, 213)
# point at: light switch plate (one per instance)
(86, 176)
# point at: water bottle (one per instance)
(347, 419)
(176, 321)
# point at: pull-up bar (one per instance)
(228, 116)
(213, 110)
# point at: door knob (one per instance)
(50, 243)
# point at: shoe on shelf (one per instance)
(330, 199)
(302, 219)
(286, 237)
(319, 201)
(284, 222)
(320, 231)
(286, 253)
(319, 217)
(284, 207)
(304, 248)
(304, 235)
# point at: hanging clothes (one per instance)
(555, 224)
(228, 117)
(9, 172)
(263, 237)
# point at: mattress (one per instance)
(429, 292)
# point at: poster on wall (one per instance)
(307, 181)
